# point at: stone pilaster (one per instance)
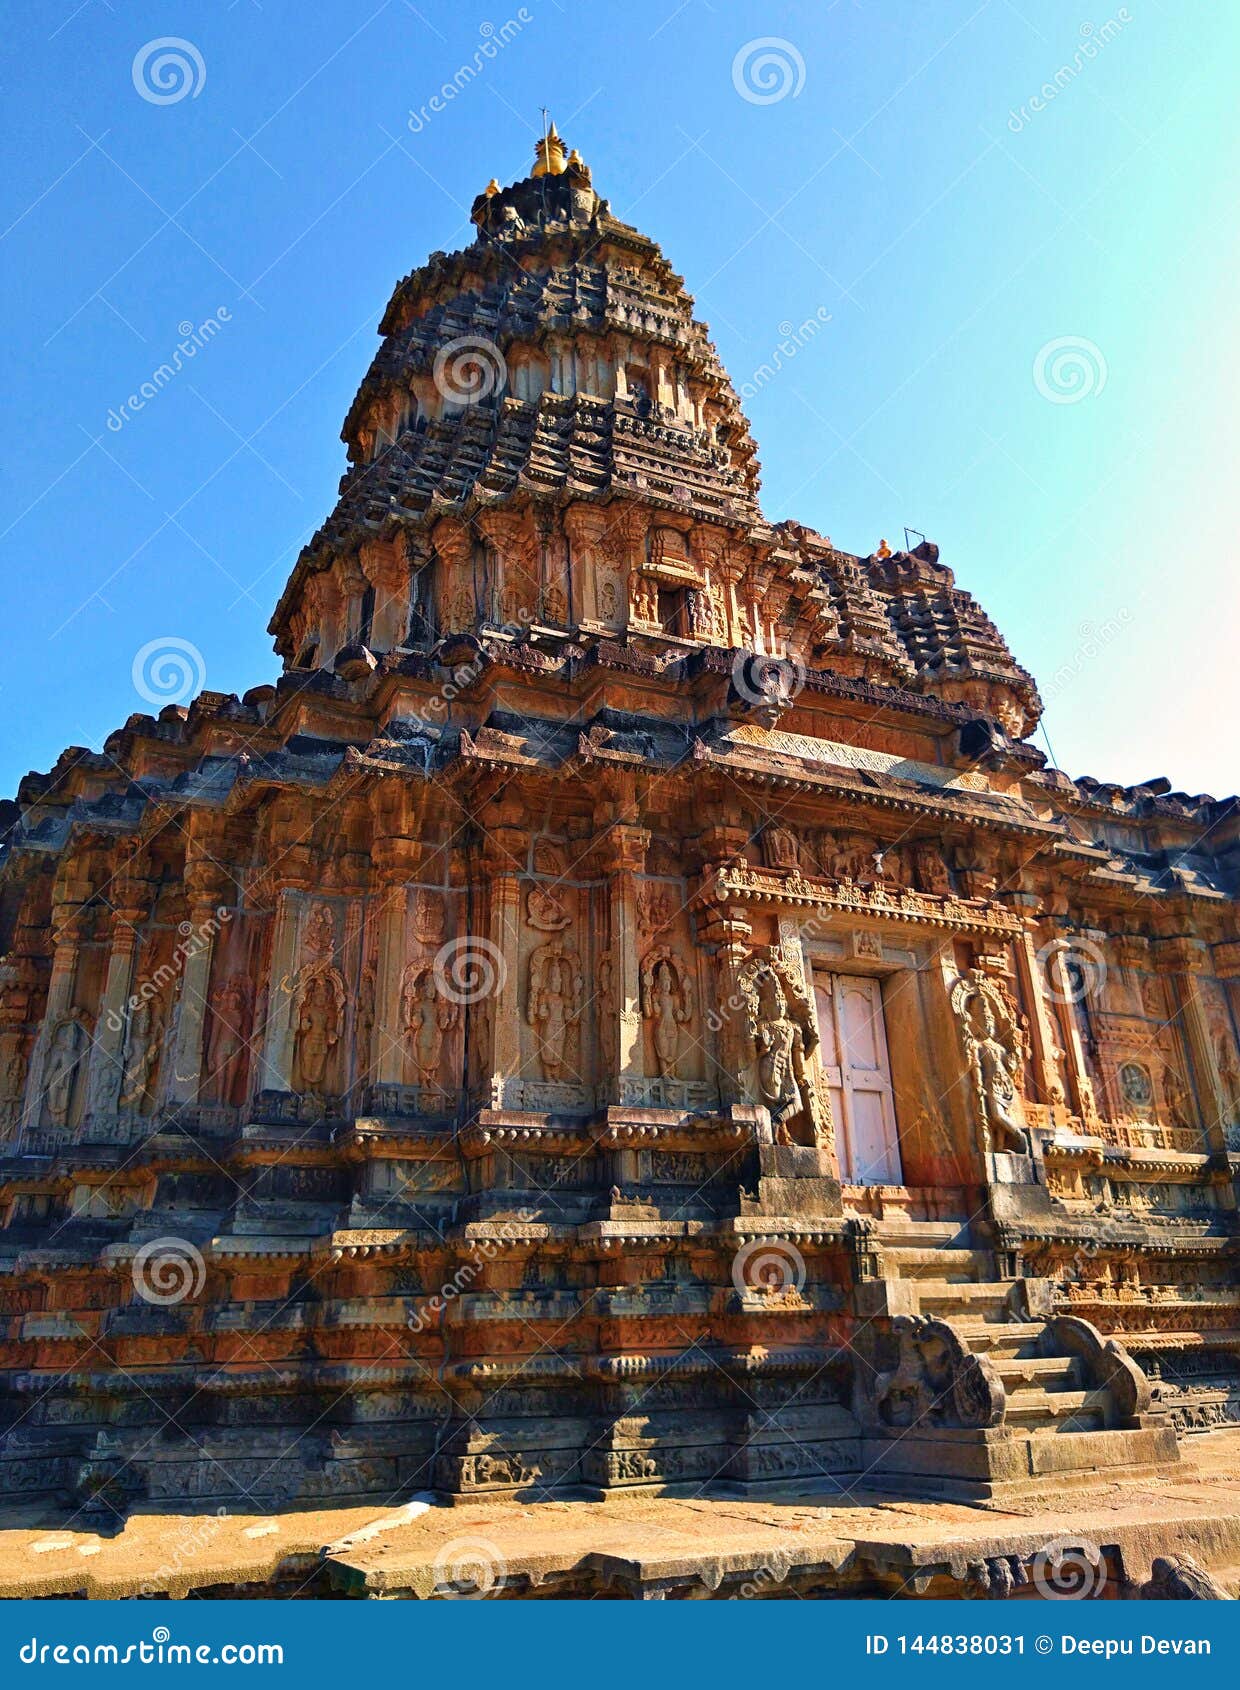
(1184, 959)
(66, 936)
(107, 1062)
(626, 856)
(277, 1058)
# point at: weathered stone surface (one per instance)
(629, 1009)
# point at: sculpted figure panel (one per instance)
(426, 1020)
(667, 1005)
(782, 1034)
(228, 1052)
(991, 1036)
(318, 1030)
(63, 1073)
(143, 1049)
(554, 1002)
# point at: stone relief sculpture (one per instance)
(937, 1381)
(229, 1049)
(426, 1019)
(782, 1033)
(553, 1007)
(317, 1031)
(667, 1005)
(990, 1033)
(63, 1072)
(143, 1048)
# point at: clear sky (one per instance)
(1011, 225)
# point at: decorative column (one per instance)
(107, 1063)
(1183, 959)
(66, 935)
(277, 1058)
(504, 845)
(725, 927)
(624, 857)
(395, 866)
(208, 888)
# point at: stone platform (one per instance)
(1101, 1542)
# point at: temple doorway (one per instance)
(858, 1076)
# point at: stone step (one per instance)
(1048, 1373)
(976, 1299)
(1034, 1410)
(917, 1261)
(996, 1338)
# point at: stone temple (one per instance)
(628, 1008)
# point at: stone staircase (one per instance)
(1065, 1405)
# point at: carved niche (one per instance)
(228, 1052)
(667, 1008)
(317, 1031)
(144, 1046)
(553, 1005)
(63, 1071)
(782, 1034)
(991, 1035)
(426, 1018)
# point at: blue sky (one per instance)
(1025, 343)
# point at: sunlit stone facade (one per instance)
(629, 1006)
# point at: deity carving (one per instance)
(545, 912)
(783, 1035)
(667, 1005)
(320, 933)
(930, 870)
(1228, 1067)
(644, 597)
(554, 1002)
(143, 1048)
(318, 1030)
(779, 848)
(426, 1020)
(63, 1070)
(229, 1048)
(367, 997)
(427, 916)
(1176, 1098)
(991, 1035)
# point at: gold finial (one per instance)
(549, 158)
(575, 159)
(884, 550)
(492, 188)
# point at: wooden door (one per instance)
(858, 1075)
